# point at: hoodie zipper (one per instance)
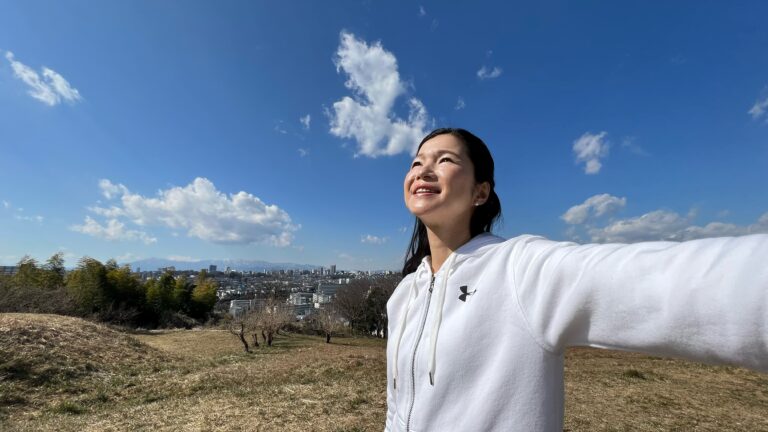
(413, 359)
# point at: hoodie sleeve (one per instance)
(704, 300)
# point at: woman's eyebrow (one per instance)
(438, 153)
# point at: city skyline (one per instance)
(282, 132)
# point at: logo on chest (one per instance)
(465, 293)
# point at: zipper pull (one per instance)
(432, 283)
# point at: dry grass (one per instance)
(202, 381)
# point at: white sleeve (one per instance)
(704, 300)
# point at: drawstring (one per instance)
(439, 318)
(411, 294)
(436, 321)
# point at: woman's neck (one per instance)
(443, 241)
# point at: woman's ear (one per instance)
(482, 192)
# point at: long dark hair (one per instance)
(484, 216)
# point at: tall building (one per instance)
(333, 269)
(212, 269)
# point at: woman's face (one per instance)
(440, 187)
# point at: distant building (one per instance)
(212, 269)
(8, 270)
(238, 308)
(333, 269)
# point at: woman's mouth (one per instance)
(425, 190)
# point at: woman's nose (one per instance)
(425, 172)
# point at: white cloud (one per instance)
(204, 212)
(759, 109)
(128, 256)
(113, 231)
(488, 73)
(305, 121)
(460, 104)
(589, 149)
(368, 116)
(111, 190)
(303, 152)
(38, 219)
(654, 225)
(594, 206)
(50, 89)
(18, 213)
(422, 11)
(372, 239)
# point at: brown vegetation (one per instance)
(66, 374)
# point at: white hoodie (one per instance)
(492, 331)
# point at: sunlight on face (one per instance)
(439, 188)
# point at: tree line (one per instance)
(107, 292)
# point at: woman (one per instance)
(479, 324)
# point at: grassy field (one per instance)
(65, 374)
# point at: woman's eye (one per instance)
(446, 159)
(416, 163)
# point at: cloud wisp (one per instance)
(305, 121)
(199, 209)
(48, 87)
(372, 239)
(485, 73)
(368, 115)
(760, 109)
(589, 149)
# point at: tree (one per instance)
(88, 285)
(28, 274)
(270, 318)
(239, 327)
(203, 297)
(54, 271)
(160, 294)
(350, 301)
(182, 295)
(327, 321)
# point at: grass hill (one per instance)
(67, 374)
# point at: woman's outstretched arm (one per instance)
(704, 300)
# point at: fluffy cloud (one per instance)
(488, 73)
(368, 117)
(759, 109)
(594, 206)
(204, 212)
(589, 149)
(654, 225)
(372, 239)
(114, 230)
(50, 88)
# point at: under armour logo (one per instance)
(464, 293)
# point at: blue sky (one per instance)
(282, 131)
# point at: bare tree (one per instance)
(238, 327)
(328, 321)
(350, 301)
(270, 318)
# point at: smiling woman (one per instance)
(523, 301)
